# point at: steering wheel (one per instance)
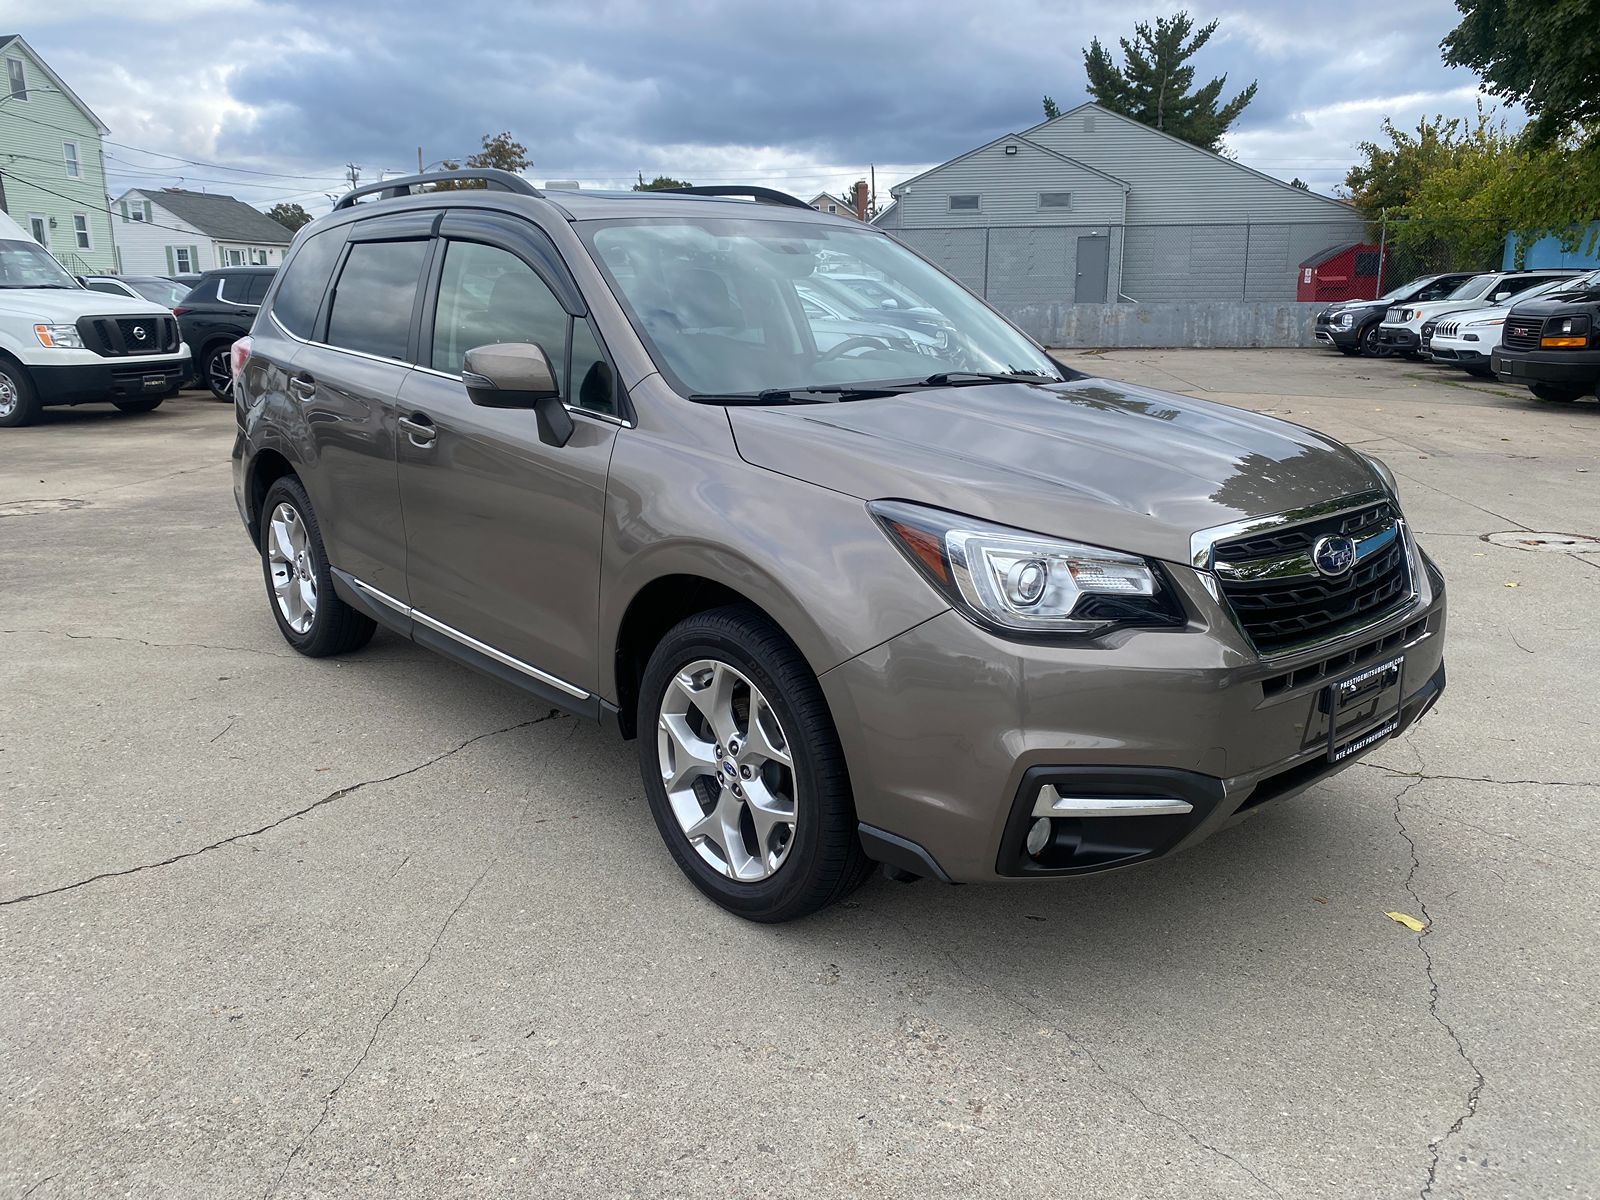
(859, 342)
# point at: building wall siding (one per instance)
(1008, 187)
(33, 163)
(146, 246)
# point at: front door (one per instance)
(1094, 262)
(503, 531)
(39, 227)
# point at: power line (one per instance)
(33, 183)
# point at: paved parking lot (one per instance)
(382, 927)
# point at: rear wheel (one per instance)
(19, 403)
(743, 769)
(139, 406)
(299, 580)
(1558, 392)
(216, 368)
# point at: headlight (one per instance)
(1022, 583)
(59, 337)
(1566, 333)
(1378, 465)
(1345, 319)
(1491, 321)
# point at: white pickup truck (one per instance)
(61, 343)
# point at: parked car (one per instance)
(215, 314)
(995, 622)
(61, 343)
(159, 288)
(1401, 329)
(832, 323)
(187, 278)
(1552, 344)
(1468, 338)
(1352, 326)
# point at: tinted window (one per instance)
(103, 285)
(374, 296)
(489, 295)
(592, 386)
(256, 288)
(1438, 289)
(162, 291)
(301, 293)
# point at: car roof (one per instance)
(228, 272)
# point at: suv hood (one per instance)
(63, 306)
(1094, 460)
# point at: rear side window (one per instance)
(205, 290)
(105, 285)
(1438, 289)
(255, 290)
(489, 295)
(374, 297)
(307, 280)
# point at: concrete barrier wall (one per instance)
(1205, 324)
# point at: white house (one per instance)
(167, 231)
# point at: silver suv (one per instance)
(937, 603)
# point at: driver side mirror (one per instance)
(890, 302)
(518, 375)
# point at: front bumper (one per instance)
(1578, 367)
(949, 732)
(1399, 338)
(1342, 337)
(99, 379)
(1451, 350)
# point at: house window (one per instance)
(136, 210)
(963, 204)
(182, 261)
(19, 81)
(259, 257)
(80, 230)
(39, 228)
(236, 258)
(69, 151)
(1055, 199)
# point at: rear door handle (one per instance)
(303, 387)
(419, 429)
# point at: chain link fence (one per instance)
(1256, 261)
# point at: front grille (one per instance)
(122, 337)
(1447, 329)
(1282, 602)
(1523, 333)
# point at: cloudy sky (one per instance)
(271, 99)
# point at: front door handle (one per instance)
(302, 387)
(419, 429)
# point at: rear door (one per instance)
(345, 380)
(503, 530)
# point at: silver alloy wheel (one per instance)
(219, 371)
(728, 770)
(9, 396)
(294, 576)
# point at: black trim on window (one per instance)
(521, 237)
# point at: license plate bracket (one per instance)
(1363, 709)
(155, 383)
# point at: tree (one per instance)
(1389, 175)
(1542, 54)
(290, 216)
(500, 150)
(661, 183)
(1153, 82)
(1052, 110)
(1297, 182)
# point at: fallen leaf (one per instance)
(1410, 923)
(1513, 584)
(1320, 899)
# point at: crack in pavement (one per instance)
(339, 794)
(377, 1028)
(1433, 487)
(1470, 1108)
(1094, 1061)
(1424, 777)
(111, 637)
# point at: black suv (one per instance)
(1351, 326)
(217, 313)
(1552, 344)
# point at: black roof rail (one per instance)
(492, 178)
(760, 195)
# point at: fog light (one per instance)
(1038, 836)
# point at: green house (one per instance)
(52, 171)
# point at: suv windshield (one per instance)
(24, 265)
(737, 307)
(1472, 288)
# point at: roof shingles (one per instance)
(221, 217)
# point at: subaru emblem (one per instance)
(1333, 555)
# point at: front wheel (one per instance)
(1371, 347)
(309, 613)
(19, 403)
(216, 368)
(743, 769)
(1558, 392)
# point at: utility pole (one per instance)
(353, 174)
(872, 170)
(419, 160)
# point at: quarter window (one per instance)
(69, 151)
(592, 384)
(963, 204)
(489, 295)
(374, 296)
(308, 273)
(19, 81)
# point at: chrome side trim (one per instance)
(1052, 803)
(472, 643)
(576, 410)
(1202, 543)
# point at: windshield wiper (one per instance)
(957, 378)
(825, 392)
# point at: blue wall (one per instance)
(1547, 252)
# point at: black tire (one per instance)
(1479, 372)
(16, 381)
(1369, 344)
(1559, 393)
(1349, 351)
(335, 628)
(148, 404)
(216, 370)
(825, 863)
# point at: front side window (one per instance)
(24, 265)
(19, 80)
(374, 296)
(69, 151)
(300, 295)
(1472, 288)
(489, 295)
(720, 302)
(162, 291)
(80, 230)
